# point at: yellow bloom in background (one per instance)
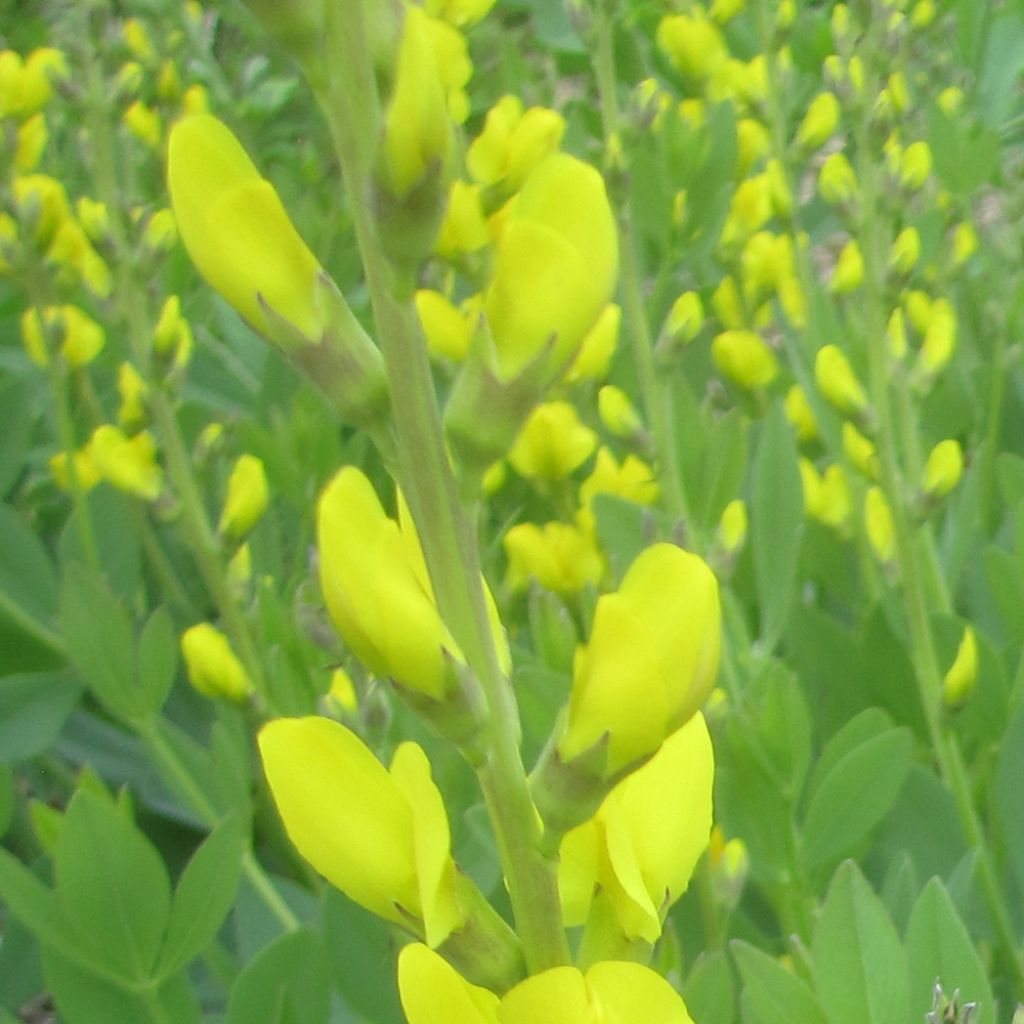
(447, 329)
(136, 38)
(632, 479)
(33, 136)
(513, 142)
(618, 413)
(247, 498)
(837, 181)
(597, 347)
(212, 666)
(896, 334)
(556, 263)
(552, 443)
(144, 123)
(610, 992)
(849, 270)
(132, 389)
(962, 676)
(79, 337)
(559, 556)
(235, 229)
(905, 251)
(685, 318)
(41, 204)
(86, 474)
(160, 232)
(94, 217)
(342, 691)
(965, 242)
(879, 525)
(464, 228)
(727, 303)
(693, 44)
(939, 342)
(915, 165)
(641, 847)
(459, 12)
(129, 463)
(732, 526)
(820, 121)
(835, 507)
(381, 836)
(837, 382)
(651, 659)
(860, 451)
(801, 415)
(745, 358)
(943, 469)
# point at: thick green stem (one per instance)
(445, 527)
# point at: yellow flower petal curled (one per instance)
(559, 556)
(557, 257)
(651, 659)
(962, 676)
(381, 837)
(433, 992)
(943, 469)
(552, 443)
(236, 230)
(129, 463)
(837, 381)
(212, 666)
(641, 847)
(247, 498)
(745, 358)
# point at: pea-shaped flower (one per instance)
(611, 992)
(236, 230)
(651, 660)
(380, 836)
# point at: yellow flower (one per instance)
(905, 251)
(381, 836)
(131, 413)
(915, 165)
(447, 328)
(837, 382)
(556, 262)
(552, 443)
(849, 271)
(617, 412)
(610, 992)
(342, 691)
(144, 123)
(820, 121)
(939, 342)
(597, 347)
(513, 143)
(837, 181)
(459, 12)
(943, 469)
(657, 636)
(745, 359)
(639, 851)
(694, 45)
(464, 228)
(247, 498)
(559, 556)
(860, 451)
(80, 337)
(212, 666)
(879, 525)
(685, 318)
(86, 474)
(801, 415)
(235, 229)
(32, 138)
(633, 480)
(962, 676)
(129, 463)
(732, 527)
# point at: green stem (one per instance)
(445, 528)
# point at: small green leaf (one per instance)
(28, 582)
(33, 709)
(776, 524)
(855, 795)
(1010, 792)
(771, 994)
(860, 972)
(939, 947)
(157, 660)
(113, 885)
(708, 990)
(204, 896)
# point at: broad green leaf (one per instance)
(771, 994)
(112, 883)
(157, 660)
(708, 990)
(783, 723)
(776, 524)
(855, 795)
(1009, 792)
(19, 408)
(866, 726)
(204, 896)
(860, 972)
(21, 969)
(98, 634)
(33, 709)
(286, 982)
(28, 582)
(939, 947)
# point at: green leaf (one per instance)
(771, 994)
(1009, 792)
(783, 723)
(28, 582)
(19, 409)
(938, 947)
(8, 798)
(855, 794)
(776, 524)
(284, 983)
(204, 896)
(867, 725)
(112, 884)
(157, 660)
(622, 528)
(33, 709)
(859, 969)
(98, 634)
(708, 990)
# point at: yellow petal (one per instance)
(433, 992)
(557, 996)
(633, 994)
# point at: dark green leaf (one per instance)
(771, 994)
(28, 583)
(1009, 787)
(157, 660)
(33, 710)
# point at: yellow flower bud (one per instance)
(633, 480)
(732, 527)
(557, 259)
(943, 469)
(464, 228)
(962, 676)
(801, 415)
(42, 206)
(723, 11)
(131, 414)
(144, 123)
(433, 992)
(685, 318)
(43, 67)
(381, 836)
(448, 329)
(597, 347)
(212, 666)
(728, 303)
(639, 851)
(459, 12)
(965, 242)
(513, 142)
(559, 556)
(899, 94)
(837, 181)
(918, 306)
(86, 474)
(552, 443)
(637, 645)
(860, 451)
(247, 498)
(922, 14)
(136, 38)
(78, 336)
(951, 99)
(745, 359)
(236, 231)
(168, 83)
(161, 232)
(840, 21)
(240, 568)
(905, 251)
(826, 497)
(849, 271)
(878, 524)
(837, 382)
(896, 334)
(617, 412)
(32, 138)
(820, 121)
(195, 100)
(342, 692)
(693, 44)
(939, 342)
(915, 165)
(127, 463)
(753, 142)
(749, 211)
(94, 218)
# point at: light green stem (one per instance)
(444, 525)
